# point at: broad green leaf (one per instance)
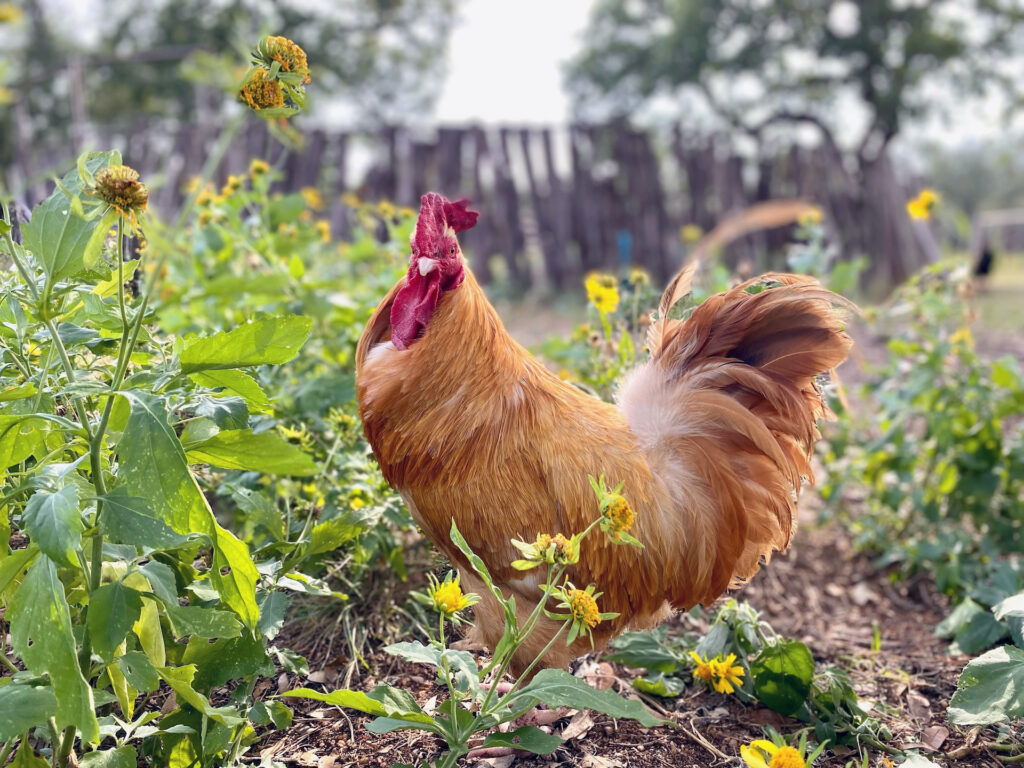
(267, 712)
(529, 737)
(659, 684)
(416, 652)
(121, 757)
(153, 467)
(129, 520)
(557, 688)
(331, 534)
(12, 565)
(15, 445)
(382, 701)
(1010, 610)
(260, 511)
(981, 632)
(228, 412)
(53, 522)
(272, 340)
(237, 382)
(138, 671)
(180, 680)
(226, 659)
(23, 707)
(56, 236)
(207, 623)
(27, 758)
(644, 649)
(113, 611)
(958, 618)
(266, 452)
(272, 609)
(41, 635)
(782, 676)
(990, 689)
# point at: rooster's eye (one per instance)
(452, 252)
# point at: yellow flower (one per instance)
(6, 95)
(781, 757)
(232, 185)
(261, 91)
(386, 209)
(962, 337)
(193, 184)
(638, 277)
(729, 674)
(258, 167)
(204, 198)
(566, 550)
(351, 200)
(602, 293)
(205, 217)
(690, 233)
(9, 13)
(584, 608)
(324, 229)
(289, 55)
(448, 598)
(704, 670)
(312, 197)
(811, 216)
(119, 186)
(921, 206)
(619, 514)
(406, 213)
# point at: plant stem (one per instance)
(67, 742)
(519, 680)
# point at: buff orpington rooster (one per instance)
(711, 437)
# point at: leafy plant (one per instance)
(473, 707)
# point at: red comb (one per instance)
(437, 213)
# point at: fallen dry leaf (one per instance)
(919, 707)
(580, 725)
(327, 761)
(595, 761)
(935, 736)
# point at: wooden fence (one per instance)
(554, 203)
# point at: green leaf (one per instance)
(981, 632)
(644, 649)
(23, 707)
(382, 701)
(12, 565)
(41, 635)
(331, 534)
(129, 520)
(113, 610)
(990, 689)
(94, 247)
(266, 452)
(208, 623)
(236, 382)
(529, 737)
(55, 235)
(26, 758)
(180, 680)
(53, 522)
(782, 676)
(272, 340)
(226, 659)
(15, 442)
(267, 712)
(659, 684)
(153, 467)
(260, 510)
(416, 652)
(557, 688)
(139, 671)
(121, 757)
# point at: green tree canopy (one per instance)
(757, 63)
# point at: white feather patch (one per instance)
(426, 265)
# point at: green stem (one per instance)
(10, 668)
(456, 731)
(22, 269)
(67, 742)
(522, 677)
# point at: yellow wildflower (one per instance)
(811, 216)
(780, 757)
(204, 198)
(312, 197)
(638, 277)
(584, 608)
(447, 597)
(323, 228)
(619, 514)
(288, 54)
(261, 91)
(566, 550)
(704, 670)
(258, 167)
(232, 185)
(921, 206)
(6, 95)
(602, 293)
(9, 13)
(962, 337)
(729, 674)
(386, 209)
(351, 200)
(406, 213)
(205, 217)
(690, 233)
(119, 186)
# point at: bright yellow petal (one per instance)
(766, 745)
(752, 758)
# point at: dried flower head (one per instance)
(119, 186)
(261, 91)
(288, 54)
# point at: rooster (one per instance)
(712, 436)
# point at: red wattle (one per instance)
(413, 306)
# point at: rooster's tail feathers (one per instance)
(726, 414)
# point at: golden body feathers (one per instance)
(712, 438)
